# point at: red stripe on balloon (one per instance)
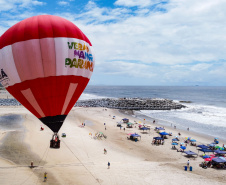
(41, 26)
(50, 93)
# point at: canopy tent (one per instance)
(163, 133)
(144, 128)
(129, 123)
(135, 135)
(158, 138)
(205, 150)
(190, 153)
(125, 120)
(202, 146)
(223, 158)
(220, 152)
(218, 160)
(159, 128)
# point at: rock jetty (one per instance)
(132, 104)
(121, 103)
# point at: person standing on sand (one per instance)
(188, 163)
(108, 165)
(45, 177)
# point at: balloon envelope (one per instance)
(46, 62)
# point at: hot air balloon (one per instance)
(46, 62)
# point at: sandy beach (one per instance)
(81, 158)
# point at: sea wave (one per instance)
(87, 96)
(206, 119)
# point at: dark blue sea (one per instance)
(205, 114)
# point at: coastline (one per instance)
(81, 159)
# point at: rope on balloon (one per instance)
(33, 171)
(81, 162)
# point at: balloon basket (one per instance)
(55, 142)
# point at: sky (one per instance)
(142, 42)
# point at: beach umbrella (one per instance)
(206, 156)
(183, 147)
(208, 159)
(181, 143)
(129, 133)
(174, 143)
(192, 140)
(46, 63)
(164, 133)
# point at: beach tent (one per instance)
(144, 129)
(134, 136)
(159, 128)
(164, 133)
(202, 146)
(158, 138)
(125, 120)
(219, 152)
(218, 160)
(190, 153)
(205, 150)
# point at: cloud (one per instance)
(15, 5)
(167, 42)
(63, 3)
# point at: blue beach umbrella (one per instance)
(206, 156)
(183, 147)
(192, 140)
(174, 143)
(163, 133)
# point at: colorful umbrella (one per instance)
(208, 159)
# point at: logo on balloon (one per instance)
(4, 78)
(82, 58)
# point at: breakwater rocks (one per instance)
(132, 104)
(9, 102)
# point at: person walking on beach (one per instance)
(188, 163)
(108, 165)
(105, 151)
(45, 177)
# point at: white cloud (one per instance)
(140, 3)
(183, 43)
(15, 5)
(63, 3)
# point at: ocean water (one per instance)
(205, 114)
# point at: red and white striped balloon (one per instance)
(46, 62)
